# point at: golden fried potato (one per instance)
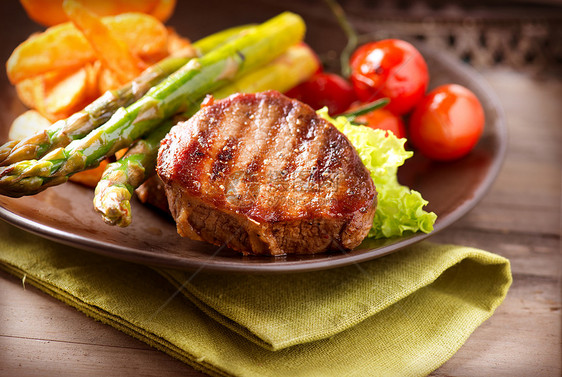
(108, 80)
(27, 124)
(64, 97)
(63, 47)
(112, 52)
(50, 12)
(26, 91)
(93, 79)
(61, 70)
(179, 46)
(59, 94)
(145, 36)
(163, 9)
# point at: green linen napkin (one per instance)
(401, 315)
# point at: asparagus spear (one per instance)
(61, 133)
(7, 148)
(115, 189)
(210, 42)
(175, 94)
(120, 179)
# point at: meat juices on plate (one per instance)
(265, 174)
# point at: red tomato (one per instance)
(447, 123)
(384, 120)
(325, 89)
(389, 68)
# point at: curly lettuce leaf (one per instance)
(399, 208)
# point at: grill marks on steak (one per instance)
(266, 175)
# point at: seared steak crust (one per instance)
(265, 175)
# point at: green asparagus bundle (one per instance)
(115, 189)
(63, 132)
(179, 91)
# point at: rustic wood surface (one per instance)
(520, 218)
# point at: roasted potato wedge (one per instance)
(65, 96)
(178, 45)
(63, 47)
(108, 80)
(50, 12)
(27, 124)
(112, 52)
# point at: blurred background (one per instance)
(523, 35)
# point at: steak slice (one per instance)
(264, 174)
(152, 192)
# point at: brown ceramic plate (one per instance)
(65, 213)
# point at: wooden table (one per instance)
(519, 218)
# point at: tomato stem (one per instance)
(352, 37)
(367, 108)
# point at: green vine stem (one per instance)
(351, 34)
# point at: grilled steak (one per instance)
(152, 192)
(266, 175)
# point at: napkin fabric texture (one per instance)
(404, 314)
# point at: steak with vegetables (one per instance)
(264, 174)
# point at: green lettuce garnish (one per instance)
(399, 208)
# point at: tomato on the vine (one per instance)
(325, 89)
(384, 120)
(447, 123)
(389, 68)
